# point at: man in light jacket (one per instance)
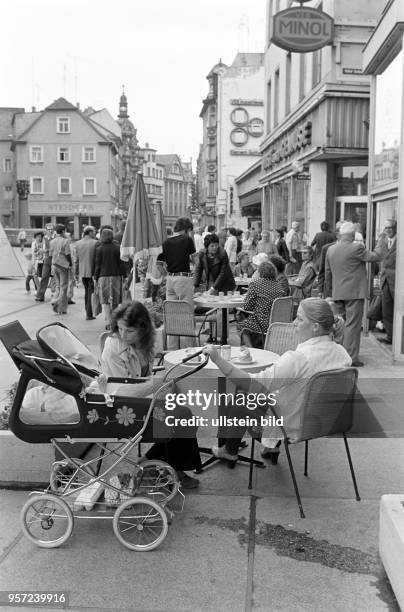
(345, 273)
(84, 266)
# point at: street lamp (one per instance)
(78, 214)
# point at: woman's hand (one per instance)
(212, 352)
(102, 381)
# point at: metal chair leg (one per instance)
(250, 473)
(306, 456)
(351, 468)
(292, 473)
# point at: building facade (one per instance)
(153, 176)
(233, 126)
(71, 165)
(177, 187)
(7, 166)
(383, 60)
(315, 150)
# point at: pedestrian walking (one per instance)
(85, 267)
(59, 251)
(231, 247)
(22, 239)
(46, 265)
(320, 239)
(30, 274)
(108, 273)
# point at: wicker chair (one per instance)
(179, 320)
(327, 410)
(282, 310)
(281, 337)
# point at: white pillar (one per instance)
(316, 206)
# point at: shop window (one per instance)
(351, 180)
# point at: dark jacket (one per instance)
(108, 260)
(321, 239)
(220, 272)
(282, 249)
(388, 262)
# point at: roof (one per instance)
(23, 121)
(61, 104)
(248, 59)
(168, 159)
(6, 121)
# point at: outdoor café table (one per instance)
(209, 379)
(222, 302)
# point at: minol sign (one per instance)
(302, 29)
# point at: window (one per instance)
(276, 98)
(154, 172)
(288, 82)
(64, 154)
(36, 154)
(7, 164)
(269, 105)
(64, 185)
(88, 154)
(158, 189)
(89, 186)
(148, 171)
(37, 186)
(63, 125)
(316, 74)
(302, 76)
(7, 192)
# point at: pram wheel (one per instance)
(47, 520)
(65, 475)
(158, 480)
(140, 524)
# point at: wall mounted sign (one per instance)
(239, 137)
(242, 102)
(252, 152)
(302, 29)
(239, 116)
(293, 141)
(352, 71)
(256, 127)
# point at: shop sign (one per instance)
(242, 102)
(245, 152)
(293, 141)
(303, 176)
(302, 29)
(352, 71)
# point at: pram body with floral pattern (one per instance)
(57, 402)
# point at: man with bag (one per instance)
(84, 267)
(59, 252)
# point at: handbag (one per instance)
(375, 309)
(95, 302)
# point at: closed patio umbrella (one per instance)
(160, 222)
(141, 238)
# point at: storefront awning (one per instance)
(252, 198)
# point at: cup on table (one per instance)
(236, 294)
(221, 293)
(230, 293)
(226, 352)
(218, 347)
(245, 275)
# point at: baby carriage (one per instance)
(55, 403)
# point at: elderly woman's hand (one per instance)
(212, 352)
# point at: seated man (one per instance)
(288, 377)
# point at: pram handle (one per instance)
(192, 356)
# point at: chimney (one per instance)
(78, 105)
(33, 109)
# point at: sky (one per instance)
(161, 50)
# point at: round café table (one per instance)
(222, 302)
(210, 380)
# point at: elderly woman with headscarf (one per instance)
(288, 377)
(307, 274)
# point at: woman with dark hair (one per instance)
(212, 267)
(280, 243)
(281, 277)
(109, 270)
(288, 376)
(259, 298)
(129, 352)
